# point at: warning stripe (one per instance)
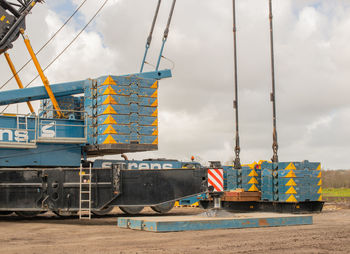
(216, 188)
(216, 179)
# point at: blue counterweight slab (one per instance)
(190, 223)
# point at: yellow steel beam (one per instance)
(42, 75)
(18, 80)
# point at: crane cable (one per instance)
(52, 37)
(74, 39)
(273, 93)
(237, 161)
(149, 38)
(166, 33)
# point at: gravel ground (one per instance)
(49, 234)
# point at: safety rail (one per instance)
(20, 132)
(25, 131)
(61, 130)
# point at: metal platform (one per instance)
(200, 222)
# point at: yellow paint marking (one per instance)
(155, 94)
(320, 198)
(110, 140)
(155, 141)
(253, 188)
(155, 85)
(109, 81)
(291, 190)
(2, 18)
(318, 167)
(109, 110)
(155, 103)
(319, 183)
(290, 166)
(155, 113)
(291, 199)
(253, 173)
(7, 22)
(319, 174)
(291, 174)
(291, 183)
(109, 100)
(109, 91)
(155, 123)
(155, 133)
(253, 180)
(320, 191)
(110, 130)
(109, 120)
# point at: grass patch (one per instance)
(336, 192)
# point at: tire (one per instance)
(27, 214)
(163, 208)
(131, 210)
(4, 213)
(103, 211)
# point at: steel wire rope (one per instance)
(52, 37)
(61, 53)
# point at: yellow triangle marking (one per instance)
(7, 22)
(2, 18)
(110, 130)
(155, 103)
(319, 174)
(291, 183)
(109, 91)
(155, 113)
(109, 100)
(109, 81)
(253, 173)
(320, 198)
(155, 85)
(155, 94)
(155, 123)
(155, 142)
(320, 191)
(253, 188)
(109, 120)
(109, 110)
(291, 190)
(253, 180)
(291, 174)
(290, 166)
(155, 133)
(110, 140)
(319, 183)
(318, 167)
(291, 199)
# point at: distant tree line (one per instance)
(336, 179)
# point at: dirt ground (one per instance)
(49, 234)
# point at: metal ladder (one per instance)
(84, 194)
(21, 123)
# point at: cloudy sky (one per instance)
(312, 54)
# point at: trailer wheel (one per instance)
(103, 211)
(27, 214)
(4, 213)
(163, 208)
(132, 210)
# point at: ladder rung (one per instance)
(85, 183)
(85, 174)
(84, 200)
(85, 192)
